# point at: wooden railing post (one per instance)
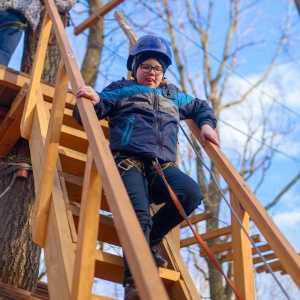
(33, 92)
(44, 190)
(84, 268)
(242, 251)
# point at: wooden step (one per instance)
(8, 292)
(96, 297)
(111, 267)
(106, 232)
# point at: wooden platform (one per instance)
(8, 292)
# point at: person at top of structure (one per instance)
(143, 116)
(15, 15)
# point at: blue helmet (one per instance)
(153, 43)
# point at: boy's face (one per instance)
(150, 78)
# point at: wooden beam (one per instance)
(50, 155)
(185, 287)
(227, 247)
(132, 37)
(275, 238)
(83, 276)
(16, 80)
(95, 16)
(229, 256)
(10, 128)
(58, 243)
(111, 267)
(206, 236)
(197, 218)
(275, 266)
(36, 76)
(241, 248)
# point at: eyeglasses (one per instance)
(146, 68)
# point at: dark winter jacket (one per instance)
(144, 121)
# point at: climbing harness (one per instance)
(158, 169)
(235, 215)
(128, 162)
(14, 25)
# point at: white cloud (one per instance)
(288, 220)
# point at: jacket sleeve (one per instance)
(196, 109)
(106, 105)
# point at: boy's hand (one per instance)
(88, 92)
(207, 132)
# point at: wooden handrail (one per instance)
(279, 244)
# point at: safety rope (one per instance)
(236, 216)
(198, 237)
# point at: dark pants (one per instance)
(12, 26)
(150, 188)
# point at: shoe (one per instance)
(156, 252)
(131, 292)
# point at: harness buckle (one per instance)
(126, 164)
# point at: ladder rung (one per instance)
(96, 297)
(110, 267)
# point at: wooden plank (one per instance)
(197, 218)
(278, 242)
(229, 257)
(72, 226)
(96, 297)
(181, 289)
(58, 244)
(132, 238)
(241, 248)
(10, 128)
(73, 162)
(16, 80)
(94, 17)
(275, 266)
(206, 236)
(132, 37)
(36, 75)
(70, 121)
(83, 275)
(227, 247)
(106, 232)
(111, 267)
(74, 139)
(50, 154)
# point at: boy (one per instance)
(143, 116)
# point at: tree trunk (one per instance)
(89, 69)
(53, 55)
(19, 256)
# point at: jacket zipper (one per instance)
(158, 122)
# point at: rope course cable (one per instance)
(14, 164)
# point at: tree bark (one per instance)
(89, 69)
(53, 55)
(19, 256)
